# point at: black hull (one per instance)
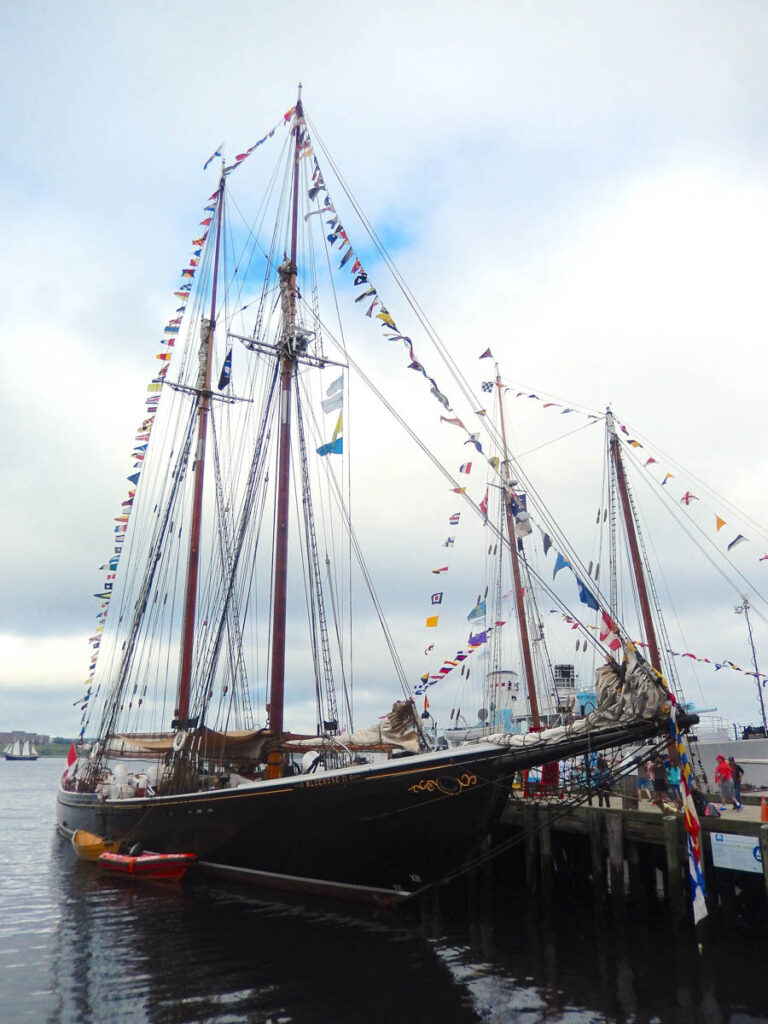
(21, 757)
(392, 827)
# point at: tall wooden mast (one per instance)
(522, 621)
(207, 330)
(634, 547)
(287, 348)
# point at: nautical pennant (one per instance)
(336, 444)
(226, 370)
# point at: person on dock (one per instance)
(724, 778)
(738, 775)
(603, 781)
(643, 787)
(673, 782)
(565, 770)
(659, 770)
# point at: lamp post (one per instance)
(744, 608)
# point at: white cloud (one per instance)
(578, 186)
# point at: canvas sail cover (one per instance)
(630, 693)
(397, 729)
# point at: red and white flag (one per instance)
(609, 634)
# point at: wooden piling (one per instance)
(678, 907)
(545, 851)
(594, 818)
(530, 823)
(614, 829)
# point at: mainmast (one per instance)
(291, 341)
(522, 621)
(207, 329)
(634, 547)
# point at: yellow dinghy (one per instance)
(87, 846)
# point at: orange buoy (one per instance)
(763, 809)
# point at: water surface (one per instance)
(80, 946)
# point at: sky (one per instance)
(580, 185)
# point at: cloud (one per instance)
(578, 187)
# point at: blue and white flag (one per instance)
(213, 156)
(336, 386)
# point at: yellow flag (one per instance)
(385, 318)
(432, 621)
(720, 522)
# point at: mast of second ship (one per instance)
(522, 621)
(288, 277)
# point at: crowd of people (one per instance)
(658, 781)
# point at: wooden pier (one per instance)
(633, 854)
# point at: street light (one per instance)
(744, 608)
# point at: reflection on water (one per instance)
(78, 946)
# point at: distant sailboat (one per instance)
(21, 750)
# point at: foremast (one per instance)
(522, 621)
(291, 342)
(207, 328)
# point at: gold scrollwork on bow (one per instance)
(447, 785)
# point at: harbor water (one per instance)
(79, 946)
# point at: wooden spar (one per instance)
(204, 392)
(522, 621)
(634, 547)
(287, 368)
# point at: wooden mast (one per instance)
(288, 275)
(522, 621)
(634, 547)
(208, 328)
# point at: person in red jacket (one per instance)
(724, 778)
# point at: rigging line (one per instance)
(396, 416)
(228, 555)
(326, 694)
(341, 345)
(355, 545)
(683, 523)
(555, 440)
(670, 671)
(703, 484)
(314, 565)
(455, 372)
(421, 316)
(371, 589)
(446, 473)
(525, 391)
(112, 706)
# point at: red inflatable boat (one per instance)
(166, 867)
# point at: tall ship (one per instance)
(21, 750)
(240, 596)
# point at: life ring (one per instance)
(179, 740)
